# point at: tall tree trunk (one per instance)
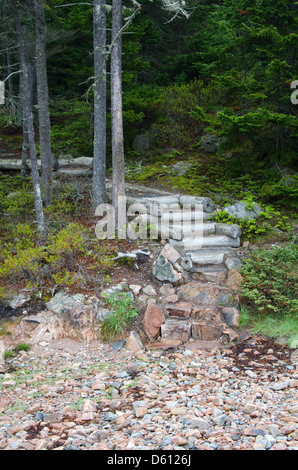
(30, 126)
(99, 151)
(116, 108)
(22, 92)
(10, 80)
(43, 103)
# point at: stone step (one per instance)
(65, 166)
(73, 172)
(189, 230)
(185, 215)
(162, 204)
(207, 257)
(205, 295)
(194, 244)
(14, 164)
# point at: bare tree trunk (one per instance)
(24, 149)
(30, 126)
(116, 107)
(99, 151)
(9, 72)
(43, 103)
(24, 167)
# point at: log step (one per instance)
(193, 244)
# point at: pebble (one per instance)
(106, 398)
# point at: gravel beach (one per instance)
(69, 396)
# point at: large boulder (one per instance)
(68, 316)
(163, 270)
(181, 168)
(202, 294)
(240, 210)
(153, 319)
(210, 142)
(163, 267)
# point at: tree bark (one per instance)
(43, 103)
(30, 125)
(118, 189)
(99, 147)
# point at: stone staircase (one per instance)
(199, 259)
(199, 263)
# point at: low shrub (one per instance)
(270, 221)
(269, 283)
(123, 312)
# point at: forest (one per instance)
(139, 87)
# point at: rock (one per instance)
(88, 410)
(135, 288)
(120, 287)
(65, 303)
(216, 276)
(209, 314)
(234, 280)
(170, 254)
(149, 290)
(220, 420)
(170, 299)
(200, 424)
(45, 326)
(240, 210)
(134, 343)
(164, 344)
(231, 316)
(281, 385)
(102, 313)
(140, 408)
(117, 345)
(205, 331)
(163, 270)
(205, 295)
(176, 330)
(232, 262)
(210, 142)
(153, 319)
(167, 289)
(70, 317)
(179, 310)
(186, 263)
(229, 336)
(19, 300)
(181, 168)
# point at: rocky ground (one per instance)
(66, 395)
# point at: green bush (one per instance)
(72, 124)
(178, 126)
(269, 283)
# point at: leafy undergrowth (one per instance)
(269, 290)
(68, 256)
